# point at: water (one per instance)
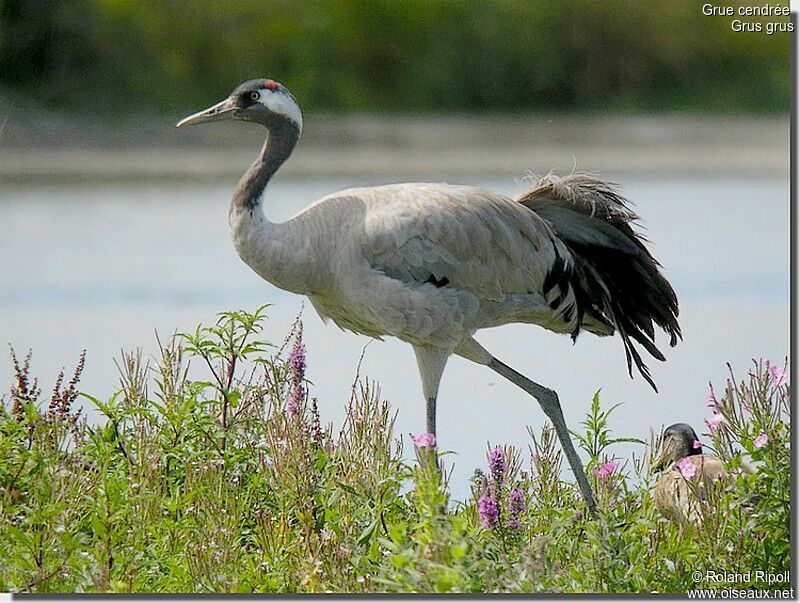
(102, 267)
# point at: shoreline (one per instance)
(404, 147)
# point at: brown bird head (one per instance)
(678, 442)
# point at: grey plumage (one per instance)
(433, 263)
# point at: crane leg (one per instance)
(431, 415)
(548, 400)
(431, 362)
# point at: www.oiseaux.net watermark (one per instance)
(734, 585)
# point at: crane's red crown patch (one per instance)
(271, 85)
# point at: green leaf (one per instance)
(367, 533)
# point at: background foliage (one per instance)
(415, 55)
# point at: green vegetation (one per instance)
(120, 56)
(232, 484)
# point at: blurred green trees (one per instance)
(410, 55)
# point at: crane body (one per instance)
(432, 264)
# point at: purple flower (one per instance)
(697, 445)
(687, 468)
(777, 376)
(715, 422)
(297, 358)
(297, 362)
(292, 407)
(497, 463)
(424, 440)
(516, 507)
(488, 511)
(604, 470)
(761, 440)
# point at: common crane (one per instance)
(432, 264)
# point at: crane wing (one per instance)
(461, 236)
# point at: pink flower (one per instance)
(697, 445)
(424, 440)
(604, 470)
(761, 440)
(714, 422)
(687, 468)
(777, 376)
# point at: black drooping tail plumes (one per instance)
(615, 279)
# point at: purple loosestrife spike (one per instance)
(497, 463)
(761, 440)
(516, 507)
(488, 511)
(297, 362)
(298, 356)
(291, 405)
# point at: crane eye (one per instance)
(255, 96)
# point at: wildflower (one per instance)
(297, 362)
(777, 376)
(697, 445)
(686, 467)
(761, 440)
(516, 506)
(497, 463)
(488, 511)
(424, 440)
(291, 405)
(604, 470)
(715, 422)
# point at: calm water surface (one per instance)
(102, 267)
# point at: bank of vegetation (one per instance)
(234, 483)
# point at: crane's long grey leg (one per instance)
(548, 400)
(431, 362)
(431, 415)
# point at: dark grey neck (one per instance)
(282, 136)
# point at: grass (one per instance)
(233, 484)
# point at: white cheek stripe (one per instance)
(280, 103)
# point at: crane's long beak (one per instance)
(216, 112)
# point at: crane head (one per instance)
(263, 101)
